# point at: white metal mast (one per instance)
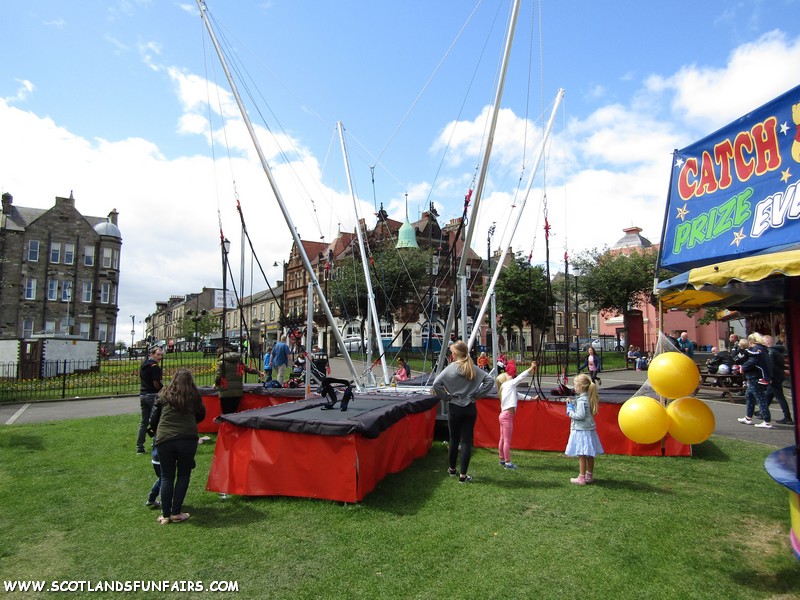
(373, 312)
(481, 176)
(501, 260)
(287, 217)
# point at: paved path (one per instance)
(726, 410)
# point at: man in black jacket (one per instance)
(776, 355)
(150, 379)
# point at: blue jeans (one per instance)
(146, 402)
(461, 423)
(756, 394)
(177, 459)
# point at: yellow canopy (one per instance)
(735, 282)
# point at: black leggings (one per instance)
(461, 423)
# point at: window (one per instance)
(52, 289)
(113, 298)
(55, 252)
(88, 256)
(86, 291)
(27, 328)
(271, 311)
(66, 291)
(49, 326)
(33, 251)
(84, 331)
(105, 292)
(107, 254)
(559, 318)
(30, 288)
(102, 332)
(69, 254)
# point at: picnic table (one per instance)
(727, 384)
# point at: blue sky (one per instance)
(114, 100)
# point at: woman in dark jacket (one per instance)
(757, 371)
(228, 380)
(177, 411)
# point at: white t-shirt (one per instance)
(508, 397)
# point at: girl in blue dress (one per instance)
(583, 441)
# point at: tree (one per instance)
(395, 277)
(521, 295)
(617, 282)
(205, 324)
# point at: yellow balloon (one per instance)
(691, 421)
(643, 420)
(673, 375)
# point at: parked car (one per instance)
(596, 344)
(353, 344)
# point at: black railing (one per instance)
(53, 380)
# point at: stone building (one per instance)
(59, 272)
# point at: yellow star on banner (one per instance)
(785, 176)
(738, 236)
(682, 212)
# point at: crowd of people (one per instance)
(170, 414)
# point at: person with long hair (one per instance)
(594, 365)
(177, 411)
(460, 384)
(583, 440)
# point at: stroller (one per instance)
(297, 377)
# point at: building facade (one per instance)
(59, 272)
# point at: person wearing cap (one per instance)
(150, 385)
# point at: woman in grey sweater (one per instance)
(460, 384)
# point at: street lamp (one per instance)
(226, 246)
(283, 293)
(133, 330)
(196, 317)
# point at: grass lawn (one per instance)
(711, 526)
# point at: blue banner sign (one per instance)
(734, 193)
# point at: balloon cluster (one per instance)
(644, 420)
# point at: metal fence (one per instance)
(53, 380)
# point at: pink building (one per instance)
(644, 322)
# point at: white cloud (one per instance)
(756, 72)
(23, 91)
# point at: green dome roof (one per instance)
(407, 237)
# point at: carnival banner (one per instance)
(734, 193)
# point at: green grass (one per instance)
(711, 526)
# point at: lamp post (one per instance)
(133, 330)
(283, 293)
(225, 246)
(489, 235)
(577, 327)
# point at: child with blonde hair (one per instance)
(583, 441)
(507, 390)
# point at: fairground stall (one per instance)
(732, 235)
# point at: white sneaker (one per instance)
(745, 420)
(764, 425)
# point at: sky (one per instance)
(123, 103)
